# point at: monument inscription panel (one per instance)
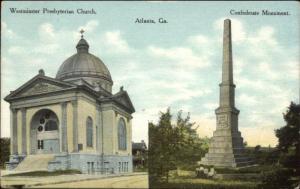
(222, 120)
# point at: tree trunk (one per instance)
(167, 176)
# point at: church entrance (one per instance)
(45, 133)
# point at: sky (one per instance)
(175, 64)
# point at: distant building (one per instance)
(72, 121)
(139, 153)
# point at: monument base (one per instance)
(226, 150)
(226, 160)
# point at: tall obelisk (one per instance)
(226, 146)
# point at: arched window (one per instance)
(89, 132)
(122, 134)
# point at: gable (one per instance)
(123, 98)
(39, 85)
(123, 101)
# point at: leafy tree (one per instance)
(172, 146)
(190, 146)
(257, 148)
(4, 150)
(161, 147)
(289, 138)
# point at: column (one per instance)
(75, 125)
(14, 132)
(98, 126)
(24, 132)
(64, 131)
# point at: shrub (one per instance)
(278, 178)
(253, 169)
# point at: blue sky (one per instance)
(175, 65)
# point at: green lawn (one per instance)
(140, 169)
(252, 169)
(193, 183)
(181, 179)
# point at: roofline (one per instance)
(65, 76)
(111, 99)
(38, 76)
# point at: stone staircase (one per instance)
(38, 162)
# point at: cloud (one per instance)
(247, 100)
(115, 43)
(89, 27)
(199, 40)
(16, 50)
(292, 69)
(46, 32)
(183, 56)
(266, 69)
(239, 65)
(237, 29)
(211, 105)
(265, 36)
(6, 32)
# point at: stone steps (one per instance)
(38, 162)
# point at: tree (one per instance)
(172, 146)
(4, 150)
(289, 138)
(161, 148)
(190, 147)
(284, 173)
(257, 148)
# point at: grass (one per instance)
(46, 173)
(180, 179)
(140, 169)
(253, 169)
(193, 183)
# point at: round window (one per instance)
(42, 121)
(47, 116)
(40, 128)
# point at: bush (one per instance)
(253, 169)
(278, 178)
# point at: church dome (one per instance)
(86, 66)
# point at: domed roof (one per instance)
(83, 64)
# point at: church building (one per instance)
(72, 121)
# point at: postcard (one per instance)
(150, 94)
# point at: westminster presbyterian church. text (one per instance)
(52, 11)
